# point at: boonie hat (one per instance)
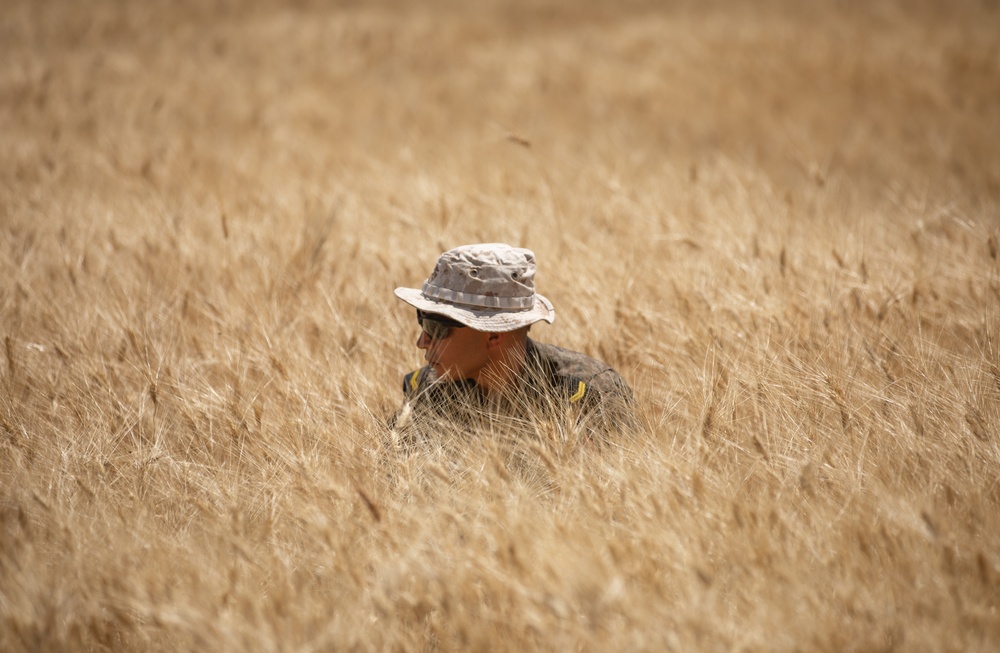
(489, 287)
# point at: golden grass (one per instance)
(779, 222)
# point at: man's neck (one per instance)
(499, 375)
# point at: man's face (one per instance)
(462, 355)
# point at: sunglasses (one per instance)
(438, 327)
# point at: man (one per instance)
(475, 311)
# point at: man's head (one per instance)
(475, 310)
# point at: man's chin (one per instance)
(442, 374)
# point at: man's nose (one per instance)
(424, 341)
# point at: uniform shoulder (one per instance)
(607, 401)
(575, 368)
(415, 381)
(568, 362)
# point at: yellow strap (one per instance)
(580, 391)
(414, 380)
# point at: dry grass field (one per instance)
(779, 220)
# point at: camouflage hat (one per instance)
(489, 287)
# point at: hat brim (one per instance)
(492, 320)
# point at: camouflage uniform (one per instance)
(554, 382)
